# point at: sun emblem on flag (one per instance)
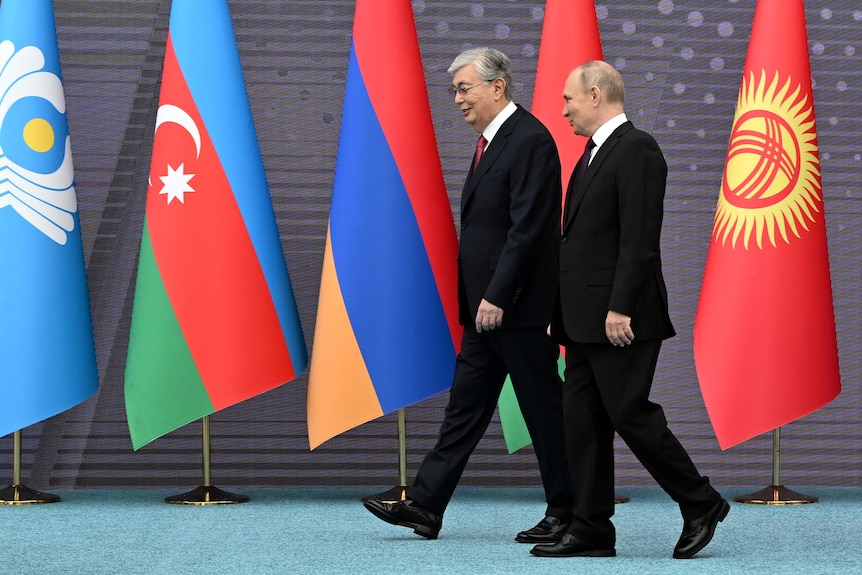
(771, 183)
(36, 172)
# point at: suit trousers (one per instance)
(606, 390)
(530, 357)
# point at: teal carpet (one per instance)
(327, 531)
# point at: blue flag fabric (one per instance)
(47, 354)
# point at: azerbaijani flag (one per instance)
(47, 355)
(387, 322)
(570, 37)
(214, 319)
(765, 346)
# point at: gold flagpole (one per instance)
(206, 494)
(776, 494)
(17, 494)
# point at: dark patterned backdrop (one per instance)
(682, 62)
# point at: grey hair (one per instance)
(600, 73)
(489, 63)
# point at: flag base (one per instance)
(775, 495)
(397, 493)
(23, 495)
(206, 495)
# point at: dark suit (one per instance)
(509, 246)
(610, 260)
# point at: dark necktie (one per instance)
(578, 174)
(480, 149)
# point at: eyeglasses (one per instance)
(462, 89)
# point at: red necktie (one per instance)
(480, 149)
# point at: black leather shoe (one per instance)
(408, 514)
(571, 546)
(697, 533)
(548, 530)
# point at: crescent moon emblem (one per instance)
(176, 115)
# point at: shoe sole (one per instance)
(422, 530)
(725, 509)
(588, 553)
(537, 541)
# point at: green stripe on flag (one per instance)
(163, 388)
(514, 428)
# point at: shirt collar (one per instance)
(491, 129)
(605, 130)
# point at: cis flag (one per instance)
(47, 355)
(764, 334)
(387, 322)
(570, 37)
(214, 320)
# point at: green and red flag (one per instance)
(570, 37)
(765, 345)
(214, 319)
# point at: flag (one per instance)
(47, 354)
(570, 37)
(387, 322)
(214, 320)
(765, 346)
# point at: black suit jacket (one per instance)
(610, 255)
(510, 213)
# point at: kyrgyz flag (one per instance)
(214, 318)
(570, 37)
(47, 357)
(387, 322)
(764, 335)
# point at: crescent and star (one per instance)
(176, 182)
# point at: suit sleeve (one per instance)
(534, 208)
(640, 188)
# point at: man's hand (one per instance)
(488, 317)
(618, 328)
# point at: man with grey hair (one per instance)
(612, 316)
(507, 279)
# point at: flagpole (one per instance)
(17, 494)
(776, 494)
(206, 494)
(399, 492)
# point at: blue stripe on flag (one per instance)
(206, 50)
(382, 264)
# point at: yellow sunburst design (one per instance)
(771, 179)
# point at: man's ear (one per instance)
(499, 87)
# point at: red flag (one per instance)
(764, 335)
(570, 37)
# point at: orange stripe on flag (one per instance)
(340, 393)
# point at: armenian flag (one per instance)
(387, 322)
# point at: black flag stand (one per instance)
(17, 494)
(206, 494)
(776, 494)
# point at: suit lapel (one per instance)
(495, 148)
(595, 165)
